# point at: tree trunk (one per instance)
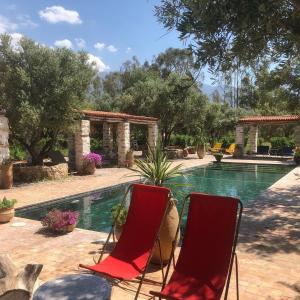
(14, 284)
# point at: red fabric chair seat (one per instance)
(207, 249)
(130, 256)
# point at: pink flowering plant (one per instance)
(58, 220)
(93, 158)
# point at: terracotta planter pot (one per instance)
(185, 152)
(129, 159)
(88, 168)
(201, 151)
(6, 214)
(191, 150)
(70, 228)
(6, 176)
(166, 235)
(118, 231)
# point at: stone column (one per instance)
(4, 133)
(82, 142)
(239, 139)
(253, 134)
(108, 137)
(71, 154)
(152, 135)
(297, 136)
(123, 142)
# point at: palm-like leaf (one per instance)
(157, 169)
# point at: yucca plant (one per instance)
(157, 169)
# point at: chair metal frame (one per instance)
(232, 258)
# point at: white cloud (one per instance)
(111, 48)
(56, 14)
(15, 41)
(98, 64)
(6, 25)
(128, 50)
(80, 43)
(64, 44)
(99, 46)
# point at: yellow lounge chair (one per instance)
(230, 149)
(216, 148)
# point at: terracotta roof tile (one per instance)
(269, 119)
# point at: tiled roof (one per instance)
(269, 119)
(118, 116)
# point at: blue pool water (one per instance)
(244, 181)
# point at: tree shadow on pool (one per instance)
(271, 224)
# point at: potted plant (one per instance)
(297, 156)
(200, 146)
(60, 221)
(6, 174)
(89, 163)
(157, 170)
(218, 156)
(7, 211)
(130, 158)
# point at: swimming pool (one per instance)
(244, 181)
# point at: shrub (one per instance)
(7, 203)
(17, 152)
(280, 142)
(93, 158)
(58, 220)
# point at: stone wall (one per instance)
(253, 135)
(297, 135)
(4, 133)
(239, 140)
(82, 142)
(152, 135)
(24, 173)
(123, 142)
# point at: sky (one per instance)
(112, 31)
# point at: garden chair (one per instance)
(287, 151)
(206, 258)
(263, 150)
(230, 149)
(216, 148)
(131, 255)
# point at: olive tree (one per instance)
(41, 89)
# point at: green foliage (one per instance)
(182, 140)
(280, 142)
(218, 156)
(96, 144)
(222, 32)
(157, 169)
(7, 203)
(119, 214)
(41, 88)
(16, 151)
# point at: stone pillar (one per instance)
(239, 139)
(297, 136)
(253, 134)
(123, 142)
(82, 142)
(108, 137)
(71, 150)
(4, 133)
(152, 135)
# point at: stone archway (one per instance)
(254, 122)
(79, 142)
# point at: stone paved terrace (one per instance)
(268, 249)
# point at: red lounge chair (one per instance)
(132, 253)
(206, 257)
